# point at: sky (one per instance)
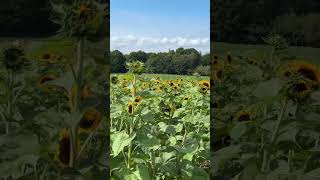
(159, 25)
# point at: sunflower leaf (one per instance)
(268, 89)
(121, 140)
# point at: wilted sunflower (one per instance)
(90, 120)
(242, 116)
(63, 151)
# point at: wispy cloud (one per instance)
(130, 43)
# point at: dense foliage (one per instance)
(181, 61)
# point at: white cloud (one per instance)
(130, 43)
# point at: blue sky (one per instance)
(160, 25)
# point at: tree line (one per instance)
(180, 61)
(248, 21)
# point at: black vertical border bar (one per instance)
(211, 86)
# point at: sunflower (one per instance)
(186, 98)
(138, 99)
(90, 120)
(85, 93)
(114, 80)
(205, 83)
(49, 58)
(44, 79)
(300, 89)
(130, 108)
(229, 58)
(307, 70)
(252, 62)
(215, 60)
(286, 71)
(63, 151)
(242, 116)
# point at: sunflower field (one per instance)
(160, 128)
(265, 116)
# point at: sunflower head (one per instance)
(204, 86)
(13, 58)
(253, 62)
(85, 93)
(90, 120)
(135, 67)
(138, 99)
(229, 58)
(242, 116)
(63, 151)
(300, 89)
(43, 80)
(114, 80)
(130, 108)
(307, 70)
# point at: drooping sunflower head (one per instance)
(307, 70)
(130, 108)
(114, 80)
(84, 94)
(229, 58)
(63, 151)
(13, 58)
(242, 116)
(300, 89)
(90, 120)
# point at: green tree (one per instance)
(118, 62)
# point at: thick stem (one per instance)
(266, 154)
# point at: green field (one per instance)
(305, 53)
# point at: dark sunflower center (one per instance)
(308, 73)
(85, 123)
(215, 105)
(46, 56)
(215, 57)
(206, 84)
(64, 150)
(130, 109)
(300, 87)
(287, 74)
(46, 79)
(219, 74)
(244, 117)
(229, 58)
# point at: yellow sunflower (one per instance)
(252, 62)
(242, 116)
(307, 70)
(85, 93)
(114, 80)
(43, 80)
(300, 89)
(63, 152)
(90, 121)
(138, 99)
(130, 108)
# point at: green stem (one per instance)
(266, 154)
